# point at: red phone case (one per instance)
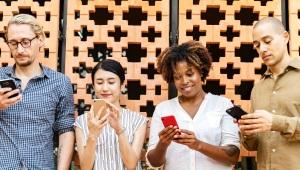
(169, 120)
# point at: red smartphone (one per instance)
(169, 120)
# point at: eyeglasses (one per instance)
(25, 43)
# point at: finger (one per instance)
(91, 112)
(5, 90)
(251, 116)
(186, 131)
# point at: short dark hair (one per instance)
(192, 52)
(111, 66)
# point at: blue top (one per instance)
(27, 128)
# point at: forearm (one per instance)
(157, 156)
(128, 155)
(225, 154)
(65, 150)
(289, 127)
(88, 154)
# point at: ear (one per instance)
(41, 42)
(286, 36)
(123, 89)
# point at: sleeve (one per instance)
(138, 120)
(289, 127)
(155, 127)
(230, 130)
(64, 118)
(250, 142)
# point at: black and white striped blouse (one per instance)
(108, 156)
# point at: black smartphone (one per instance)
(236, 112)
(8, 83)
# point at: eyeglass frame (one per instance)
(20, 42)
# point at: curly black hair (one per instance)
(192, 52)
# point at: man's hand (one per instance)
(257, 122)
(5, 101)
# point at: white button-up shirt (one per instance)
(211, 124)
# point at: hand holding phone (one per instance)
(170, 120)
(236, 112)
(8, 83)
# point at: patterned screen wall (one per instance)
(47, 13)
(294, 27)
(133, 32)
(225, 27)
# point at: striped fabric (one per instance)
(27, 128)
(108, 156)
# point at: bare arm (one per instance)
(86, 153)
(65, 150)
(130, 154)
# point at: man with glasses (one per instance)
(44, 104)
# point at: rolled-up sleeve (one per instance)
(64, 118)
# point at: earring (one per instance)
(124, 90)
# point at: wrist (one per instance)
(92, 137)
(120, 131)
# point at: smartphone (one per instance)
(236, 112)
(8, 83)
(98, 105)
(169, 120)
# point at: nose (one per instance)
(263, 47)
(20, 49)
(105, 87)
(185, 79)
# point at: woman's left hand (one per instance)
(187, 138)
(113, 118)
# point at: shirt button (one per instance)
(274, 92)
(273, 111)
(273, 150)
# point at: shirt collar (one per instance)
(45, 72)
(293, 64)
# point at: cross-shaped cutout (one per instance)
(196, 33)
(151, 34)
(151, 71)
(230, 71)
(117, 34)
(213, 16)
(230, 33)
(246, 16)
(149, 108)
(135, 16)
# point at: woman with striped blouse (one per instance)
(113, 142)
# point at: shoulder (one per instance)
(80, 121)
(132, 114)
(218, 99)
(167, 103)
(52, 74)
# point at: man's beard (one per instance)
(24, 64)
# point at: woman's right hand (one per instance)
(95, 124)
(167, 135)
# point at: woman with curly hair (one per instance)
(206, 137)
